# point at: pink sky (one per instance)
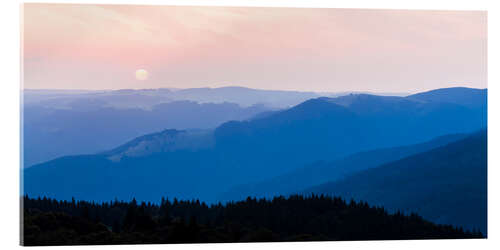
(72, 46)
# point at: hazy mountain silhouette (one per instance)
(245, 96)
(89, 128)
(146, 98)
(144, 168)
(169, 140)
(331, 128)
(464, 96)
(445, 185)
(253, 150)
(124, 98)
(320, 172)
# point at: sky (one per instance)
(75, 46)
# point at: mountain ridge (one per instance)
(255, 149)
(447, 184)
(323, 171)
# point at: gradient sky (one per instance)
(74, 46)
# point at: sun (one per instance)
(141, 74)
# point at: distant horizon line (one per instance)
(242, 87)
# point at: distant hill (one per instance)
(331, 128)
(145, 168)
(445, 185)
(464, 96)
(323, 171)
(67, 99)
(245, 96)
(252, 150)
(169, 140)
(89, 128)
(147, 98)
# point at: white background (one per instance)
(10, 71)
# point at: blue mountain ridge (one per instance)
(446, 185)
(88, 127)
(191, 164)
(328, 171)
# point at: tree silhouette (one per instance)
(294, 218)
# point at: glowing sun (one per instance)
(141, 74)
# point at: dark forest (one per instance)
(294, 218)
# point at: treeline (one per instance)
(296, 218)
